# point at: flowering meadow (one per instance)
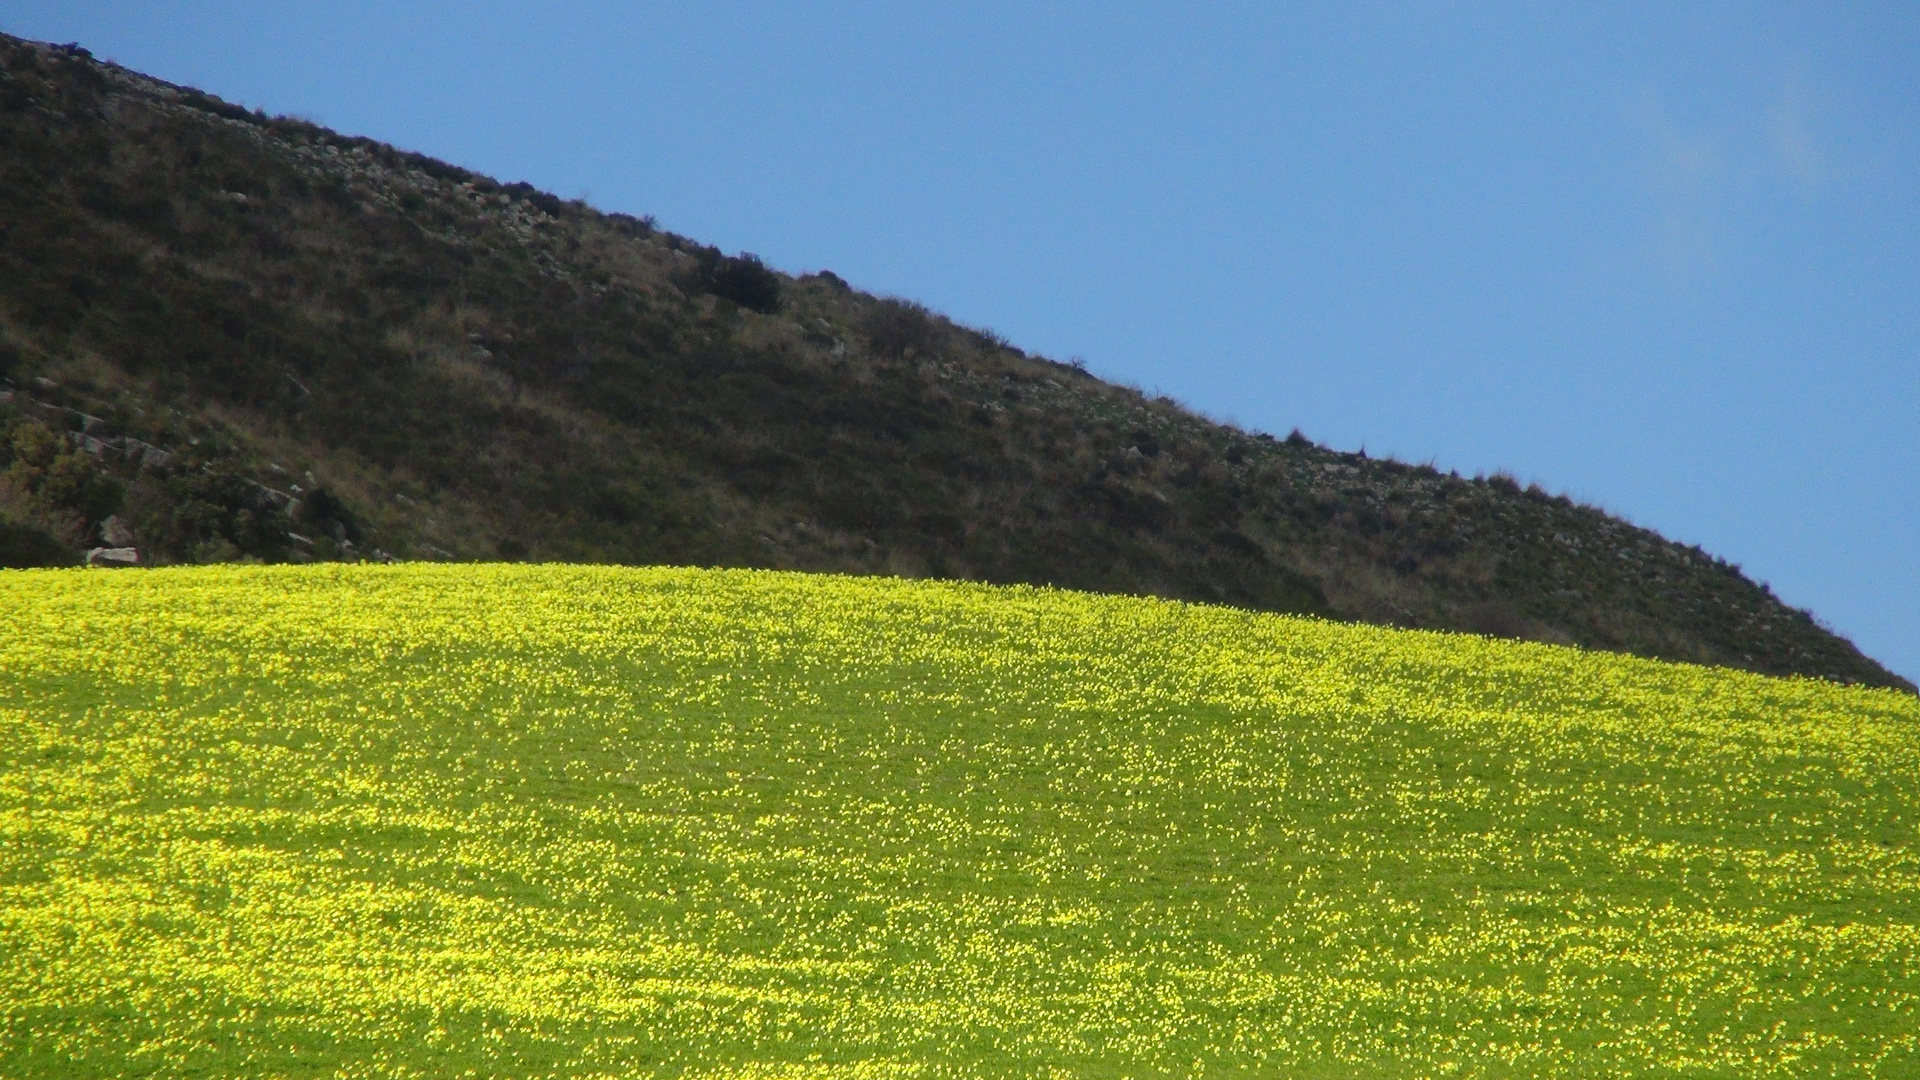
(518, 821)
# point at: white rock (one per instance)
(116, 532)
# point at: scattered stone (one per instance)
(273, 496)
(113, 556)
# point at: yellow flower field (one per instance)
(437, 821)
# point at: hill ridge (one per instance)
(337, 349)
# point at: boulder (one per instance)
(113, 556)
(116, 532)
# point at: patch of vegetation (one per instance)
(469, 369)
(589, 821)
(747, 281)
(23, 545)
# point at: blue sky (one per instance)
(1663, 258)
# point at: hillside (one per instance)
(562, 821)
(230, 336)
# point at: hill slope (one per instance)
(232, 336)
(578, 821)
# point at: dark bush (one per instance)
(436, 168)
(1238, 544)
(939, 525)
(208, 103)
(73, 482)
(551, 205)
(1130, 508)
(630, 225)
(900, 327)
(23, 546)
(322, 512)
(747, 281)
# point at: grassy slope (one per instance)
(471, 370)
(383, 821)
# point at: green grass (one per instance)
(568, 821)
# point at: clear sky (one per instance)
(1662, 257)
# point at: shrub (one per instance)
(632, 226)
(991, 341)
(24, 546)
(551, 205)
(898, 327)
(747, 281)
(324, 513)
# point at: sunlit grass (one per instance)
(568, 821)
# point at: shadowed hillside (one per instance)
(231, 336)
